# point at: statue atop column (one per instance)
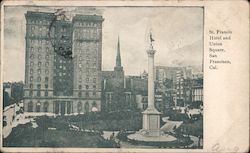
(151, 40)
(151, 50)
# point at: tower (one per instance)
(39, 57)
(87, 53)
(118, 69)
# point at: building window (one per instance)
(39, 71)
(45, 106)
(32, 49)
(31, 93)
(46, 79)
(56, 109)
(30, 106)
(94, 86)
(80, 94)
(86, 107)
(87, 86)
(38, 86)
(87, 79)
(39, 50)
(32, 56)
(38, 106)
(68, 107)
(39, 79)
(31, 71)
(79, 107)
(80, 87)
(31, 63)
(46, 71)
(46, 86)
(47, 56)
(38, 93)
(87, 94)
(94, 104)
(39, 57)
(31, 86)
(46, 93)
(94, 80)
(94, 93)
(39, 63)
(31, 78)
(47, 64)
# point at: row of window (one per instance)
(39, 63)
(39, 71)
(38, 93)
(39, 49)
(38, 86)
(32, 56)
(87, 58)
(80, 65)
(87, 80)
(38, 107)
(40, 42)
(86, 46)
(87, 35)
(86, 106)
(63, 74)
(87, 87)
(88, 24)
(87, 94)
(57, 60)
(39, 22)
(197, 98)
(40, 28)
(39, 79)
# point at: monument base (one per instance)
(143, 136)
(151, 122)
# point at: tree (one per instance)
(195, 129)
(6, 98)
(17, 91)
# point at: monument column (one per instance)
(151, 116)
(151, 92)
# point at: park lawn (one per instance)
(111, 125)
(26, 136)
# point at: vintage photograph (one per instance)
(103, 77)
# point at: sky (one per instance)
(177, 31)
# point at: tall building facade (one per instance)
(63, 63)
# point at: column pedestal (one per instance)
(151, 123)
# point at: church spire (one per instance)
(118, 65)
(118, 55)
